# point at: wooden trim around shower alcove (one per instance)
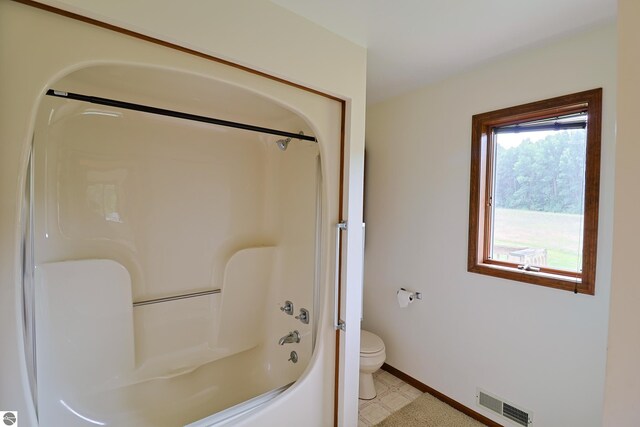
(170, 45)
(193, 52)
(336, 381)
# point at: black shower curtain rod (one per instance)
(176, 114)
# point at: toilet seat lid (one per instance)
(370, 342)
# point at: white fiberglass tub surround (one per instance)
(129, 207)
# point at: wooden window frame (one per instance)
(481, 179)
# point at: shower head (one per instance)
(283, 143)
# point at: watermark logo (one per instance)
(9, 418)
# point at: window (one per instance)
(535, 179)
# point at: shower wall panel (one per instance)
(170, 200)
(293, 203)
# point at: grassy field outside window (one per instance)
(558, 233)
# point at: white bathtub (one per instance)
(91, 204)
(163, 252)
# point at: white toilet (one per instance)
(372, 355)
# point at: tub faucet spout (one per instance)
(292, 337)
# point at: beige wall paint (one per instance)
(540, 348)
(622, 392)
(255, 33)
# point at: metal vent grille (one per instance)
(507, 410)
(490, 402)
(515, 414)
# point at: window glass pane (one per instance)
(538, 198)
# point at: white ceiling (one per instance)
(411, 43)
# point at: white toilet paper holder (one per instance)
(414, 295)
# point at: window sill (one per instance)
(556, 281)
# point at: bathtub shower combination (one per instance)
(171, 260)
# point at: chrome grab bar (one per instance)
(176, 297)
(338, 324)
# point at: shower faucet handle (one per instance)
(287, 308)
(303, 316)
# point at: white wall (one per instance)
(541, 348)
(622, 392)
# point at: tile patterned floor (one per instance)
(393, 394)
